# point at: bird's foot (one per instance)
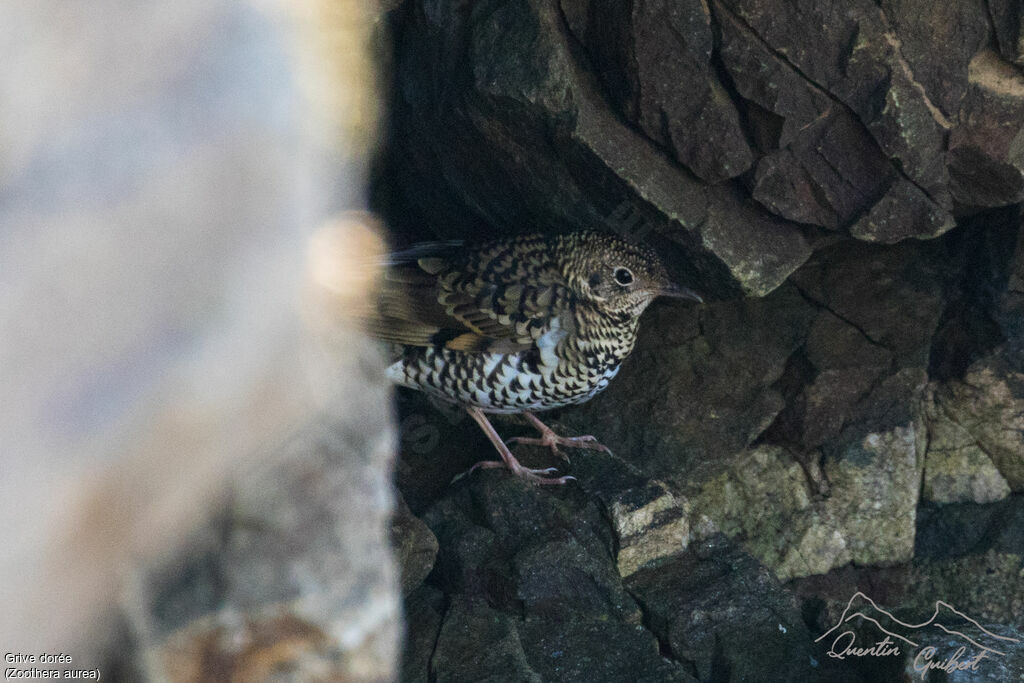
(553, 442)
(537, 476)
(548, 438)
(507, 459)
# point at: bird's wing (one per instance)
(436, 295)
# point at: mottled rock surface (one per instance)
(718, 608)
(532, 588)
(957, 468)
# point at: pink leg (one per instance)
(536, 476)
(553, 441)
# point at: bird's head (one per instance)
(618, 277)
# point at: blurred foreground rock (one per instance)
(164, 332)
(294, 576)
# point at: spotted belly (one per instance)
(500, 383)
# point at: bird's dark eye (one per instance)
(623, 276)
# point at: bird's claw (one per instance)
(537, 476)
(553, 441)
(529, 441)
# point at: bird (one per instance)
(517, 325)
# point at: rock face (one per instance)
(720, 609)
(727, 127)
(653, 60)
(848, 197)
(532, 604)
(466, 83)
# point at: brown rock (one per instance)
(559, 156)
(850, 52)
(479, 643)
(989, 404)
(830, 173)
(415, 547)
(956, 468)
(905, 211)
(424, 610)
(770, 81)
(702, 382)
(654, 58)
(649, 524)
(961, 28)
(716, 607)
(986, 151)
(1008, 22)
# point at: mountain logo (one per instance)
(946, 624)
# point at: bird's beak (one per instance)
(677, 292)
